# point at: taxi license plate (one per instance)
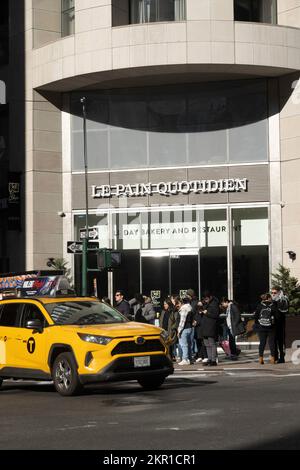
(141, 361)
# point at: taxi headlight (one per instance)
(164, 335)
(95, 339)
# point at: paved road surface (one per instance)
(236, 408)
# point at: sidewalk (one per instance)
(247, 360)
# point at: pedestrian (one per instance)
(233, 325)
(135, 304)
(193, 300)
(282, 307)
(184, 331)
(148, 310)
(122, 305)
(265, 326)
(201, 355)
(209, 326)
(168, 320)
(106, 300)
(191, 295)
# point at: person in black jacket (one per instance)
(122, 305)
(197, 322)
(234, 325)
(265, 315)
(282, 306)
(209, 326)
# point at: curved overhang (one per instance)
(120, 60)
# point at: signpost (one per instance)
(93, 233)
(106, 257)
(76, 247)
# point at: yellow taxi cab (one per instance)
(76, 341)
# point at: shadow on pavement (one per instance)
(288, 442)
(116, 388)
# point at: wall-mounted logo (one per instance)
(170, 188)
(31, 345)
(139, 340)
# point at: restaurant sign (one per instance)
(170, 188)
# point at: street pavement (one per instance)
(239, 405)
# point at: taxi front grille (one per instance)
(129, 347)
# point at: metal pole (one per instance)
(86, 237)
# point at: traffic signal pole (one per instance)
(86, 237)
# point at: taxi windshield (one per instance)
(83, 313)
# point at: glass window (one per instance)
(128, 148)
(127, 276)
(250, 253)
(174, 229)
(248, 142)
(262, 11)
(2, 92)
(98, 225)
(127, 231)
(67, 17)
(207, 147)
(145, 11)
(166, 149)
(213, 251)
(10, 315)
(32, 312)
(83, 313)
(97, 133)
(4, 32)
(208, 123)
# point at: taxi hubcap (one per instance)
(63, 374)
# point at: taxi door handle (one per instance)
(19, 338)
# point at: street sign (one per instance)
(76, 247)
(93, 233)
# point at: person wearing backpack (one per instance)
(265, 315)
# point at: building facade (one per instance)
(193, 132)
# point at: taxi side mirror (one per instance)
(35, 325)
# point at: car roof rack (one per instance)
(28, 285)
(36, 272)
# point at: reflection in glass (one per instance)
(211, 123)
(155, 275)
(262, 11)
(184, 273)
(127, 231)
(213, 252)
(250, 253)
(127, 277)
(67, 18)
(146, 11)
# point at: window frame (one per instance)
(18, 315)
(65, 12)
(45, 323)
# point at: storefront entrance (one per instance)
(165, 272)
(159, 273)
(223, 250)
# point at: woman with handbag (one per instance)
(233, 325)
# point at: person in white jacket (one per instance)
(185, 330)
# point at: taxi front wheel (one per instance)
(151, 383)
(65, 376)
